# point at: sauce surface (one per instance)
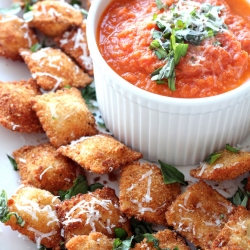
(125, 33)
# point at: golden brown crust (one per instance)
(15, 109)
(52, 18)
(144, 195)
(229, 166)
(93, 241)
(100, 153)
(199, 214)
(53, 69)
(43, 167)
(167, 240)
(96, 211)
(64, 116)
(235, 235)
(74, 44)
(14, 35)
(37, 209)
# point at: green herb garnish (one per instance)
(36, 47)
(95, 186)
(176, 29)
(213, 157)
(80, 187)
(42, 247)
(5, 214)
(155, 241)
(171, 174)
(232, 149)
(13, 163)
(89, 95)
(13, 10)
(240, 198)
(120, 233)
(73, 2)
(122, 245)
(84, 12)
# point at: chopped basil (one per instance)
(13, 163)
(13, 10)
(95, 186)
(89, 95)
(212, 158)
(42, 247)
(240, 198)
(120, 233)
(159, 4)
(155, 241)
(171, 174)
(175, 30)
(28, 5)
(36, 47)
(80, 187)
(5, 214)
(232, 149)
(122, 245)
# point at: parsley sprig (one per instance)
(180, 25)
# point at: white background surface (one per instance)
(10, 141)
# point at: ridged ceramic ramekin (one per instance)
(174, 130)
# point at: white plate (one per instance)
(10, 141)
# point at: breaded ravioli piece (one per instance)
(143, 193)
(14, 35)
(53, 18)
(229, 166)
(236, 233)
(97, 211)
(167, 240)
(74, 44)
(100, 153)
(37, 209)
(15, 109)
(43, 167)
(93, 241)
(53, 69)
(64, 116)
(199, 214)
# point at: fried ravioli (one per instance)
(199, 214)
(97, 211)
(229, 166)
(37, 209)
(53, 18)
(53, 69)
(235, 235)
(167, 240)
(143, 193)
(93, 241)
(100, 153)
(14, 35)
(15, 109)
(64, 116)
(74, 44)
(43, 167)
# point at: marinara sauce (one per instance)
(125, 33)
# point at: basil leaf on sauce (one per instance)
(184, 24)
(5, 214)
(13, 163)
(171, 174)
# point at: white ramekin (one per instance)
(174, 130)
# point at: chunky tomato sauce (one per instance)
(125, 33)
